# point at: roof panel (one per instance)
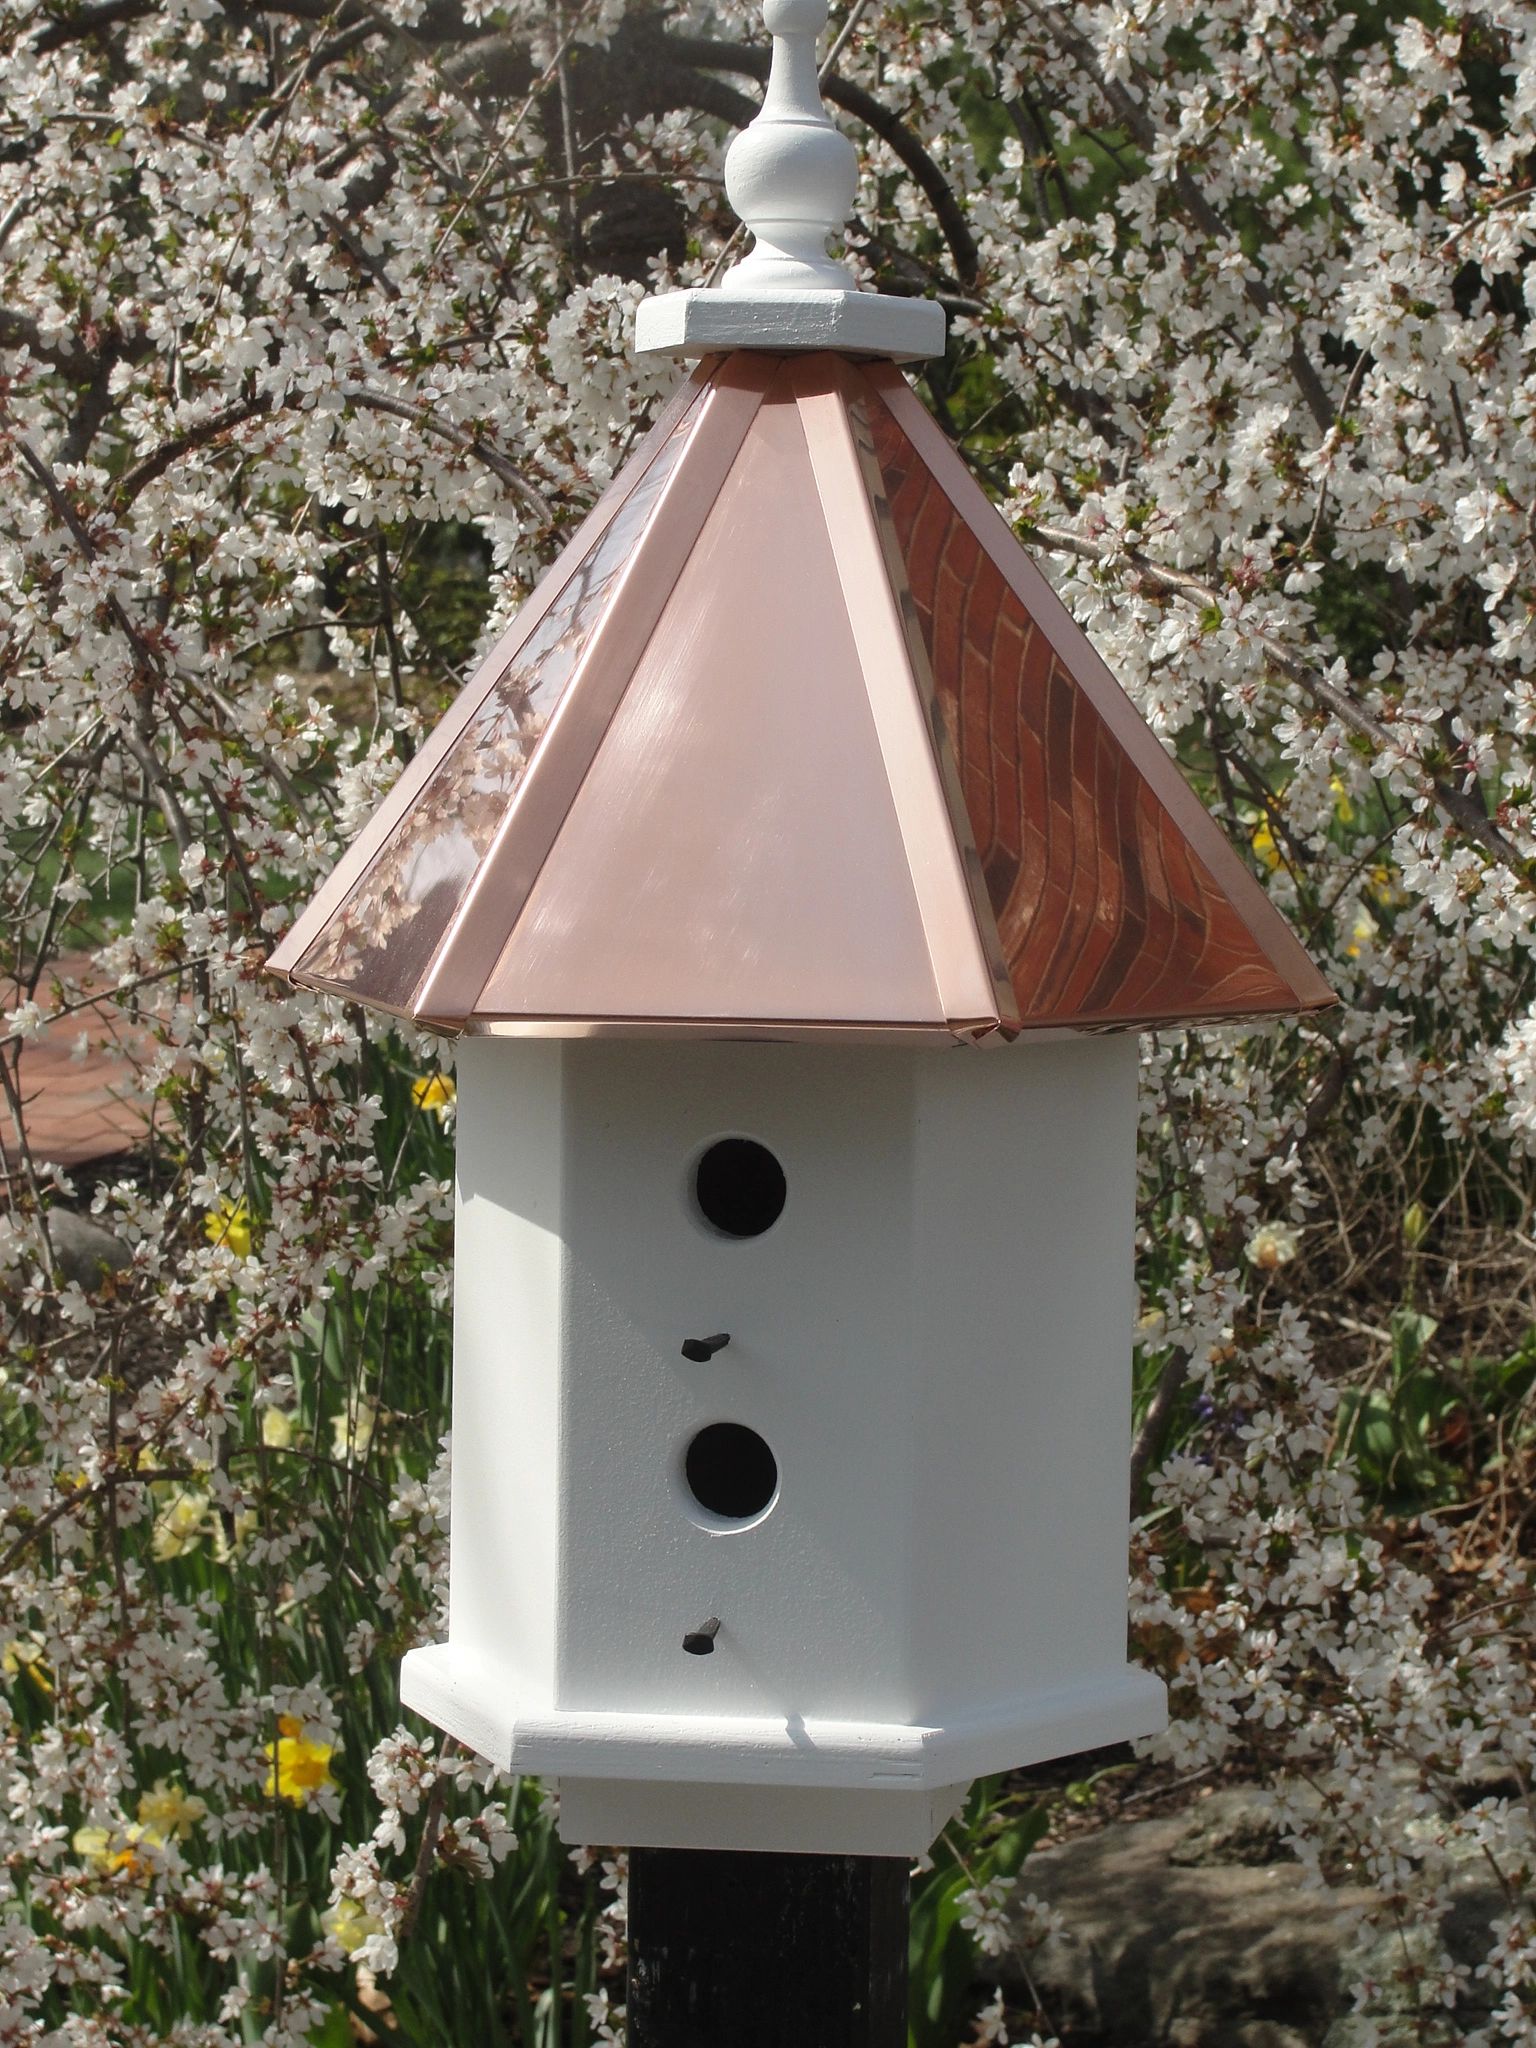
(1106, 912)
(381, 942)
(355, 862)
(734, 852)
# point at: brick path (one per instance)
(78, 1108)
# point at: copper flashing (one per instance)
(961, 932)
(796, 743)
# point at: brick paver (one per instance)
(77, 1107)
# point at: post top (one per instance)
(792, 177)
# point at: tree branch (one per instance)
(1139, 126)
(1462, 807)
(470, 444)
(75, 28)
(169, 453)
(19, 330)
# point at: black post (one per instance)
(734, 1949)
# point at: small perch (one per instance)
(699, 1350)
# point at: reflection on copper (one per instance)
(635, 592)
(341, 885)
(394, 921)
(798, 744)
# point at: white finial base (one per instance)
(854, 323)
(791, 176)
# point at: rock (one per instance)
(1176, 1936)
(85, 1251)
(1489, 1777)
(1231, 1827)
(1466, 1929)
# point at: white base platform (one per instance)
(701, 323)
(734, 1781)
(783, 1818)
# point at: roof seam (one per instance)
(362, 855)
(670, 534)
(961, 987)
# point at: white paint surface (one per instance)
(802, 1822)
(934, 1339)
(855, 323)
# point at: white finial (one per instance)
(792, 178)
(791, 175)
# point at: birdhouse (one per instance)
(796, 880)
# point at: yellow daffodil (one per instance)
(226, 1542)
(434, 1092)
(180, 1525)
(1343, 809)
(349, 1925)
(169, 1813)
(230, 1224)
(92, 1845)
(1364, 930)
(1384, 887)
(298, 1766)
(24, 1654)
(277, 1428)
(352, 1430)
(110, 1850)
(1262, 840)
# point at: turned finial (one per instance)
(792, 177)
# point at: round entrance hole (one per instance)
(731, 1472)
(739, 1187)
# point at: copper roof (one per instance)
(794, 740)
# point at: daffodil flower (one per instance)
(230, 1224)
(24, 1654)
(112, 1851)
(434, 1092)
(299, 1767)
(180, 1525)
(169, 1813)
(277, 1428)
(350, 1924)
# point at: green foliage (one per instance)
(503, 1960)
(1391, 1428)
(442, 589)
(1421, 1431)
(989, 1840)
(511, 1961)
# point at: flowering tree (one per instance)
(312, 348)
